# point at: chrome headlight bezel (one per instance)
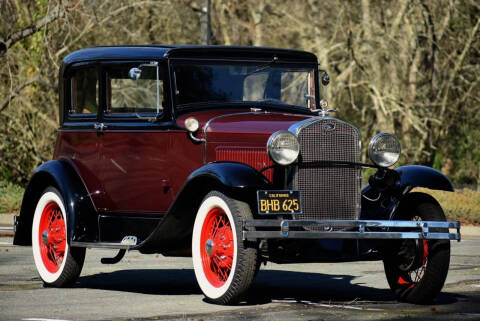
(379, 157)
(286, 155)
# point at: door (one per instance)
(134, 140)
(78, 142)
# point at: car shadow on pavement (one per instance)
(146, 281)
(269, 286)
(275, 285)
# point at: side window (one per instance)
(84, 91)
(141, 95)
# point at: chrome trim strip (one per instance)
(283, 226)
(297, 127)
(195, 139)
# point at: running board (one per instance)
(101, 245)
(127, 242)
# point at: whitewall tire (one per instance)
(56, 263)
(224, 264)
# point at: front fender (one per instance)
(381, 204)
(423, 176)
(80, 212)
(230, 174)
(174, 233)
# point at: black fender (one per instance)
(423, 176)
(381, 204)
(173, 235)
(81, 214)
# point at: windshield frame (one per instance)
(264, 105)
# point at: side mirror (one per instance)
(135, 73)
(325, 78)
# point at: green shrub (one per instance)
(10, 197)
(462, 205)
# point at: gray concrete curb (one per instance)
(6, 219)
(6, 224)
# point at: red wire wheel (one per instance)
(57, 263)
(413, 277)
(416, 269)
(219, 248)
(223, 262)
(52, 237)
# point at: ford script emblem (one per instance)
(329, 127)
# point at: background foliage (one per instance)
(410, 67)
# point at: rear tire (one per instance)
(57, 263)
(416, 269)
(224, 264)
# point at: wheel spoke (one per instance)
(217, 263)
(52, 224)
(216, 226)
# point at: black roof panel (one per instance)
(141, 52)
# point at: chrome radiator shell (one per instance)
(329, 191)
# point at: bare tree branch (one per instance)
(458, 64)
(17, 91)
(95, 22)
(53, 15)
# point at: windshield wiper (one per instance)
(263, 67)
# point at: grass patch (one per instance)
(462, 205)
(10, 197)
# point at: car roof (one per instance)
(154, 52)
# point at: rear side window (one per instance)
(84, 91)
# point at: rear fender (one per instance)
(173, 235)
(81, 214)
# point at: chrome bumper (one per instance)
(352, 229)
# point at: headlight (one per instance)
(283, 147)
(384, 149)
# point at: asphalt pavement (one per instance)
(153, 287)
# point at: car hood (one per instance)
(230, 125)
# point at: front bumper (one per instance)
(352, 229)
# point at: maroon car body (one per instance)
(229, 155)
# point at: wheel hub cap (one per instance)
(45, 237)
(209, 247)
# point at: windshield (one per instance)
(260, 83)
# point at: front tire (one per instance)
(57, 263)
(224, 264)
(416, 269)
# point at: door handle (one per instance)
(100, 126)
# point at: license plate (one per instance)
(279, 202)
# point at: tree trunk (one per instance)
(205, 27)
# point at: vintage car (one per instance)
(228, 155)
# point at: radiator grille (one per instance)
(329, 191)
(254, 157)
